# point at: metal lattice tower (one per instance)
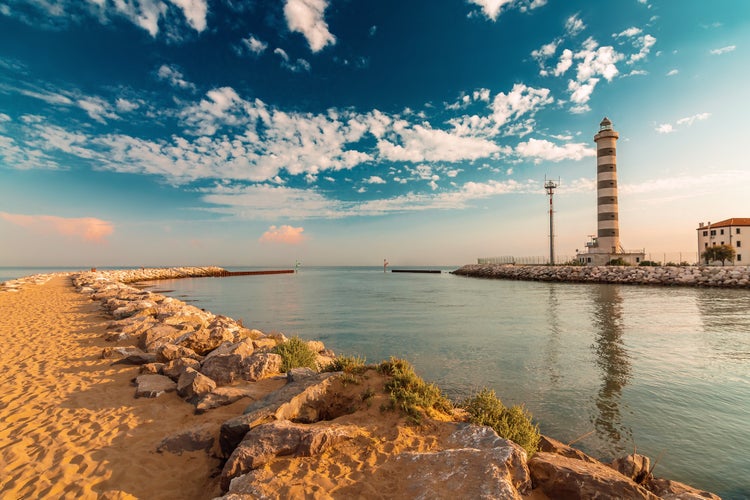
(550, 186)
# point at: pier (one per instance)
(423, 271)
(223, 273)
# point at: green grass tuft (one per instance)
(512, 423)
(296, 354)
(410, 393)
(347, 364)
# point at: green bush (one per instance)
(619, 261)
(410, 393)
(512, 423)
(347, 364)
(295, 354)
(651, 263)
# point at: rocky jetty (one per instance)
(17, 284)
(319, 433)
(699, 276)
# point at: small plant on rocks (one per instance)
(410, 393)
(295, 354)
(512, 423)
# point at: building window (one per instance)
(589, 259)
(705, 233)
(722, 242)
(738, 231)
(722, 231)
(637, 260)
(739, 257)
(705, 245)
(713, 232)
(739, 244)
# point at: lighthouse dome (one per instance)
(606, 124)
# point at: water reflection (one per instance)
(553, 347)
(725, 315)
(613, 361)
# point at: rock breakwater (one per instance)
(700, 276)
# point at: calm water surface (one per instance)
(663, 370)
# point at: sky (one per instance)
(345, 132)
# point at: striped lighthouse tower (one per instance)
(608, 227)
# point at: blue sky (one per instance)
(229, 132)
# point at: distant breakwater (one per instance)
(698, 276)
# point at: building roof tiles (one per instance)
(734, 221)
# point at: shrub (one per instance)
(347, 364)
(295, 354)
(651, 263)
(619, 261)
(410, 393)
(512, 423)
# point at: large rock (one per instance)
(132, 308)
(261, 365)
(635, 467)
(228, 362)
(286, 403)
(221, 396)
(169, 352)
(158, 335)
(549, 445)
(176, 367)
(192, 384)
(205, 340)
(562, 477)
(281, 438)
(672, 490)
(153, 386)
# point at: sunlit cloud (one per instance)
(723, 50)
(86, 228)
(287, 235)
(307, 17)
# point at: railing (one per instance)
(662, 258)
(525, 261)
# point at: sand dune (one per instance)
(69, 424)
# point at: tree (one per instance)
(719, 252)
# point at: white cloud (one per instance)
(173, 76)
(374, 179)
(668, 128)
(665, 128)
(581, 92)
(597, 61)
(673, 72)
(420, 143)
(126, 106)
(723, 50)
(565, 62)
(194, 11)
(541, 149)
(254, 45)
(286, 235)
(574, 25)
(4, 118)
(97, 108)
(645, 43)
(493, 8)
(307, 17)
(692, 119)
(296, 66)
(521, 100)
(628, 33)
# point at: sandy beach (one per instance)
(70, 426)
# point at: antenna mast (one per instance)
(550, 186)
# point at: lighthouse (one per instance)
(608, 226)
(605, 247)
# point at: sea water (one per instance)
(661, 370)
